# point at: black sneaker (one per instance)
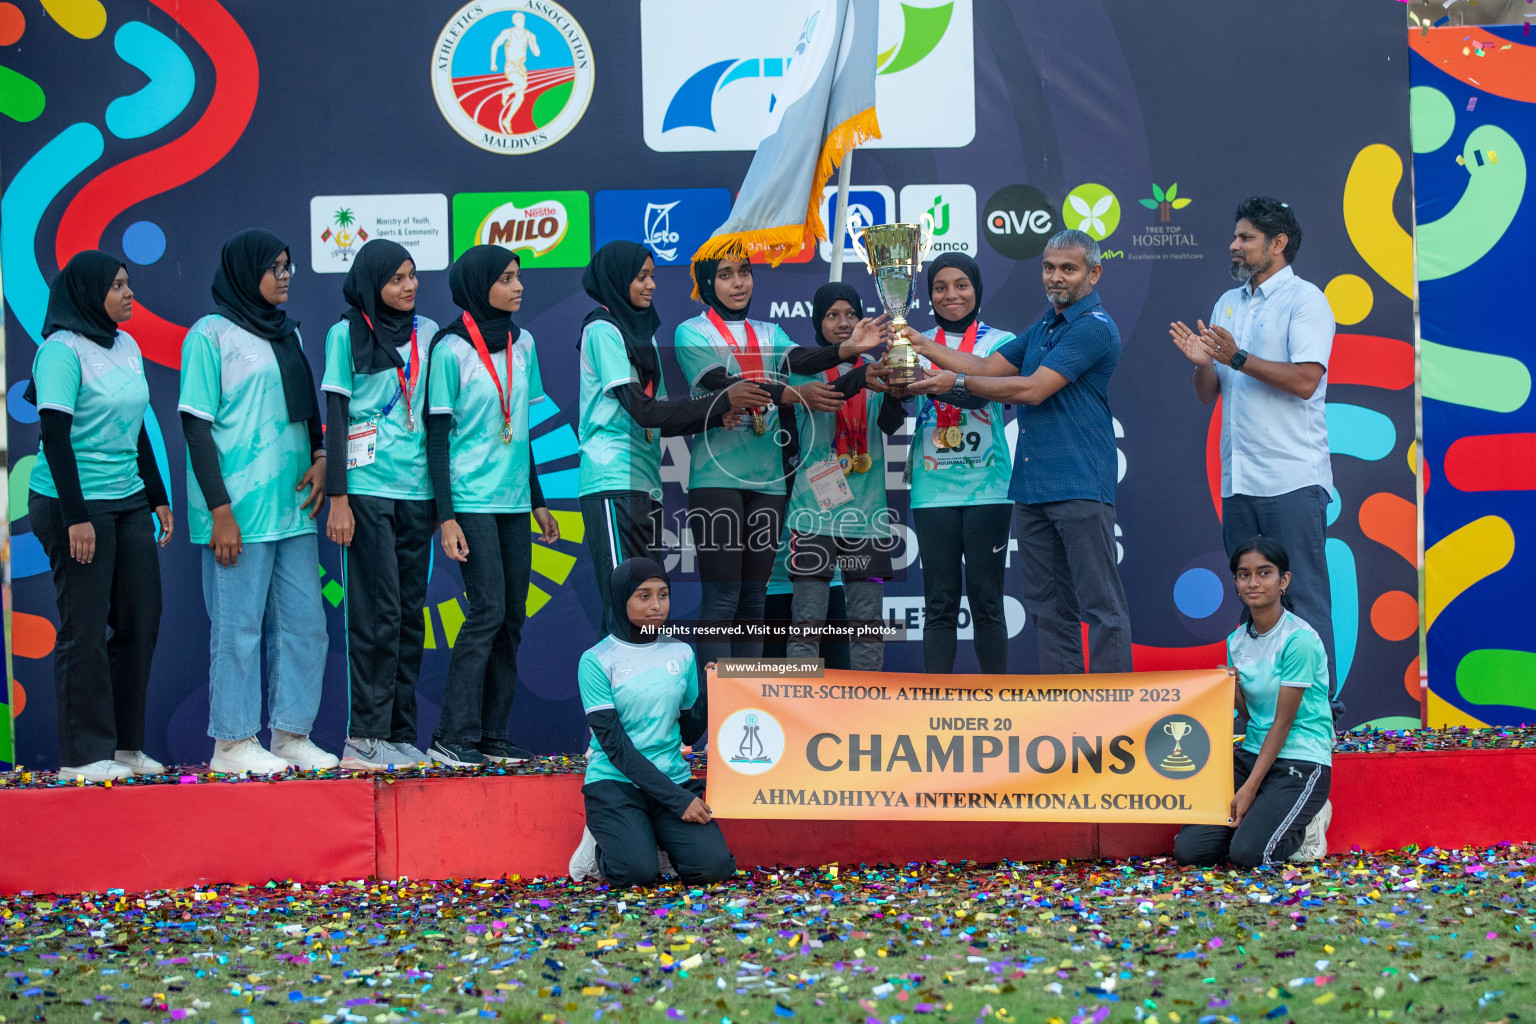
(502, 752)
(450, 753)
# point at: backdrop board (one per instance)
(1474, 129)
(333, 123)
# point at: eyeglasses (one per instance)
(282, 270)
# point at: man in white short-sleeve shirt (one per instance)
(1265, 353)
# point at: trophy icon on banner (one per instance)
(1178, 761)
(894, 254)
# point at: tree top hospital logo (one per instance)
(1178, 747)
(695, 52)
(749, 741)
(512, 76)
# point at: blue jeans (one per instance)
(273, 587)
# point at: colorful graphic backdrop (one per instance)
(195, 121)
(1474, 131)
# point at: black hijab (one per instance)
(469, 282)
(237, 296)
(78, 296)
(966, 266)
(704, 288)
(626, 579)
(607, 280)
(374, 350)
(826, 296)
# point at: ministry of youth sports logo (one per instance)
(512, 76)
(750, 742)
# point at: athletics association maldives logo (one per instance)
(512, 76)
(750, 741)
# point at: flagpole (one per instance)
(840, 218)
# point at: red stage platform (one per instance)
(141, 837)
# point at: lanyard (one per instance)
(503, 397)
(852, 436)
(407, 385)
(749, 359)
(949, 415)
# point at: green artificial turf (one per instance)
(1410, 936)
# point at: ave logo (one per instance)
(1019, 220)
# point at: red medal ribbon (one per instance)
(749, 360)
(407, 387)
(949, 415)
(503, 396)
(852, 436)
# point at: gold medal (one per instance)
(759, 422)
(862, 463)
(649, 437)
(845, 464)
(953, 438)
(506, 433)
(938, 438)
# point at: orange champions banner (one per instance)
(1142, 747)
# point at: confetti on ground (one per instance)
(1414, 935)
(1522, 737)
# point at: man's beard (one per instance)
(1243, 272)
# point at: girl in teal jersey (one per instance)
(93, 484)
(642, 699)
(624, 411)
(1283, 769)
(838, 515)
(381, 498)
(736, 481)
(959, 468)
(484, 377)
(256, 482)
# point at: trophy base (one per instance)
(902, 359)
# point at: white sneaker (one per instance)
(664, 864)
(1314, 843)
(139, 762)
(235, 756)
(301, 752)
(584, 860)
(408, 754)
(105, 770)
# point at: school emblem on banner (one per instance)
(512, 76)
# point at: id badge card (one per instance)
(829, 484)
(362, 443)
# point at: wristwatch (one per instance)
(1238, 359)
(959, 389)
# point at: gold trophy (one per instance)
(1178, 761)
(894, 254)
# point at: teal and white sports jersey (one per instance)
(1290, 654)
(105, 390)
(868, 514)
(648, 685)
(230, 378)
(399, 467)
(486, 475)
(738, 457)
(615, 456)
(978, 473)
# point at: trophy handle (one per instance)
(925, 237)
(855, 228)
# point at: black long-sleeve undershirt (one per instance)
(56, 426)
(204, 456)
(636, 767)
(338, 408)
(675, 417)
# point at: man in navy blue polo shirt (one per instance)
(1065, 464)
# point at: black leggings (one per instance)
(629, 825)
(980, 533)
(1289, 797)
(736, 535)
(619, 525)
